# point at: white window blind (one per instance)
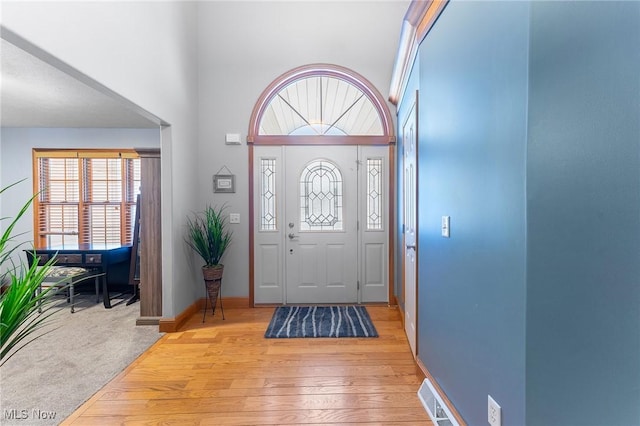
(85, 196)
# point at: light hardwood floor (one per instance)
(224, 372)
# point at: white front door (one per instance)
(409, 132)
(321, 224)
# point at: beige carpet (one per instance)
(49, 379)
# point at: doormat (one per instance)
(320, 321)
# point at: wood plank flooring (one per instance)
(224, 372)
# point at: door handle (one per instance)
(411, 247)
(292, 236)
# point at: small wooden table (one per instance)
(98, 256)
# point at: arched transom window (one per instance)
(320, 105)
(321, 100)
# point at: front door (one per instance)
(321, 219)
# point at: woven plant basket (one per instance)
(213, 283)
(212, 273)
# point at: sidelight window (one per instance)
(268, 216)
(374, 194)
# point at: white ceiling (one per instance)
(34, 93)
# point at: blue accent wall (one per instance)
(472, 165)
(583, 215)
(529, 139)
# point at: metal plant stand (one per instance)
(214, 292)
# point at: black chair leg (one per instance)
(72, 297)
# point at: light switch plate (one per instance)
(446, 222)
(494, 412)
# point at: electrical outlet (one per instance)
(234, 218)
(494, 412)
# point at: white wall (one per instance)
(16, 158)
(201, 66)
(244, 46)
(146, 52)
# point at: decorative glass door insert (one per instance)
(321, 197)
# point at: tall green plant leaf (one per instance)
(207, 234)
(19, 306)
(19, 303)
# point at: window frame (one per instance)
(126, 204)
(255, 139)
(321, 70)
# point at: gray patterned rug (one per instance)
(320, 321)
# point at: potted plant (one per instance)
(209, 237)
(20, 300)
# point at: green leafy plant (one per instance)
(20, 301)
(208, 234)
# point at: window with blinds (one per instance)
(86, 196)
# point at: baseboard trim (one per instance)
(147, 320)
(443, 395)
(402, 318)
(234, 302)
(393, 301)
(173, 324)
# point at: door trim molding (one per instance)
(392, 226)
(414, 111)
(311, 70)
(392, 301)
(389, 138)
